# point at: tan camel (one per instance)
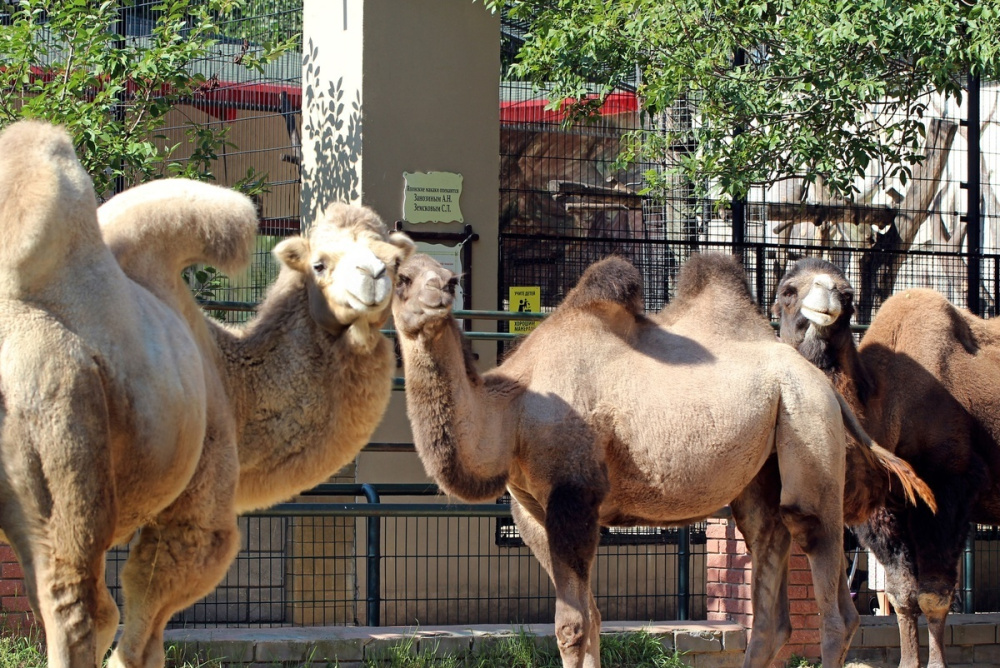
(110, 419)
(926, 382)
(309, 378)
(603, 416)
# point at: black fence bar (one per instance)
(969, 571)
(973, 217)
(683, 573)
(373, 560)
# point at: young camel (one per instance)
(926, 383)
(109, 415)
(603, 416)
(309, 378)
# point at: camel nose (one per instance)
(375, 270)
(823, 281)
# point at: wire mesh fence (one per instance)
(409, 565)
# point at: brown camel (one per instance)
(925, 382)
(604, 416)
(309, 378)
(110, 418)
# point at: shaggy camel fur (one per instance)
(107, 418)
(603, 416)
(310, 377)
(926, 383)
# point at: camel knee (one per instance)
(574, 636)
(935, 604)
(806, 528)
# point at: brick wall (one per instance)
(728, 589)
(15, 611)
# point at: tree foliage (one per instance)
(829, 89)
(64, 61)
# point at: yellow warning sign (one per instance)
(524, 298)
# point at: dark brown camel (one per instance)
(925, 382)
(604, 416)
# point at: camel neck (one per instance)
(454, 427)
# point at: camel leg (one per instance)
(811, 461)
(756, 513)
(887, 536)
(566, 552)
(180, 558)
(938, 540)
(59, 516)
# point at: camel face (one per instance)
(812, 297)
(349, 262)
(425, 294)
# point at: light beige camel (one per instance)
(309, 378)
(603, 416)
(110, 419)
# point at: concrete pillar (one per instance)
(404, 86)
(394, 86)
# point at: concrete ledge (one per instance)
(707, 644)
(973, 640)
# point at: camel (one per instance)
(604, 416)
(309, 378)
(925, 382)
(110, 417)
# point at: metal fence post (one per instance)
(373, 597)
(683, 573)
(974, 224)
(969, 571)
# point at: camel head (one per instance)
(814, 303)
(425, 294)
(349, 262)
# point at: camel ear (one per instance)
(404, 243)
(294, 253)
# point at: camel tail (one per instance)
(158, 228)
(913, 486)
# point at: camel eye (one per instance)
(452, 284)
(403, 280)
(319, 267)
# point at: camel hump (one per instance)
(716, 270)
(47, 206)
(923, 318)
(158, 228)
(612, 279)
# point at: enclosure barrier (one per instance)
(374, 509)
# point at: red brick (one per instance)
(7, 553)
(11, 587)
(800, 578)
(742, 560)
(798, 592)
(737, 606)
(719, 590)
(717, 560)
(804, 607)
(11, 571)
(806, 636)
(15, 604)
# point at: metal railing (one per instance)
(373, 510)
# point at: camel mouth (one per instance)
(438, 311)
(818, 317)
